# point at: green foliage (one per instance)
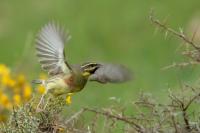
(27, 119)
(106, 30)
(22, 120)
(147, 115)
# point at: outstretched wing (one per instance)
(112, 73)
(50, 49)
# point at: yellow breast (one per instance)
(57, 86)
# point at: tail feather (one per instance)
(38, 81)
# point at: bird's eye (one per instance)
(94, 65)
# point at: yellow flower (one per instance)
(4, 70)
(68, 99)
(21, 79)
(16, 90)
(17, 99)
(4, 101)
(1, 93)
(11, 83)
(27, 92)
(41, 89)
(7, 81)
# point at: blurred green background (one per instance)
(116, 31)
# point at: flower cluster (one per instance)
(14, 90)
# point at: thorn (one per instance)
(166, 34)
(181, 30)
(194, 34)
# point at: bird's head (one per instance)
(89, 68)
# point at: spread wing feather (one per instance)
(50, 49)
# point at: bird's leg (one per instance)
(47, 102)
(40, 102)
(68, 98)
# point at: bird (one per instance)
(66, 78)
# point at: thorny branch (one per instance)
(156, 118)
(195, 54)
(184, 107)
(77, 114)
(181, 65)
(180, 34)
(138, 128)
(174, 124)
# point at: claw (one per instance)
(68, 98)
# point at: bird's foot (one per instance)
(38, 109)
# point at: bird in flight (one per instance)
(66, 78)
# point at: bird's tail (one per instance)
(38, 81)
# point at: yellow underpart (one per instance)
(57, 87)
(85, 74)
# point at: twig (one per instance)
(94, 123)
(154, 105)
(174, 124)
(190, 102)
(183, 109)
(74, 116)
(138, 128)
(183, 64)
(178, 34)
(185, 117)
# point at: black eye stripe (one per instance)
(89, 65)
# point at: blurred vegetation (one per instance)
(108, 31)
(150, 116)
(26, 119)
(15, 91)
